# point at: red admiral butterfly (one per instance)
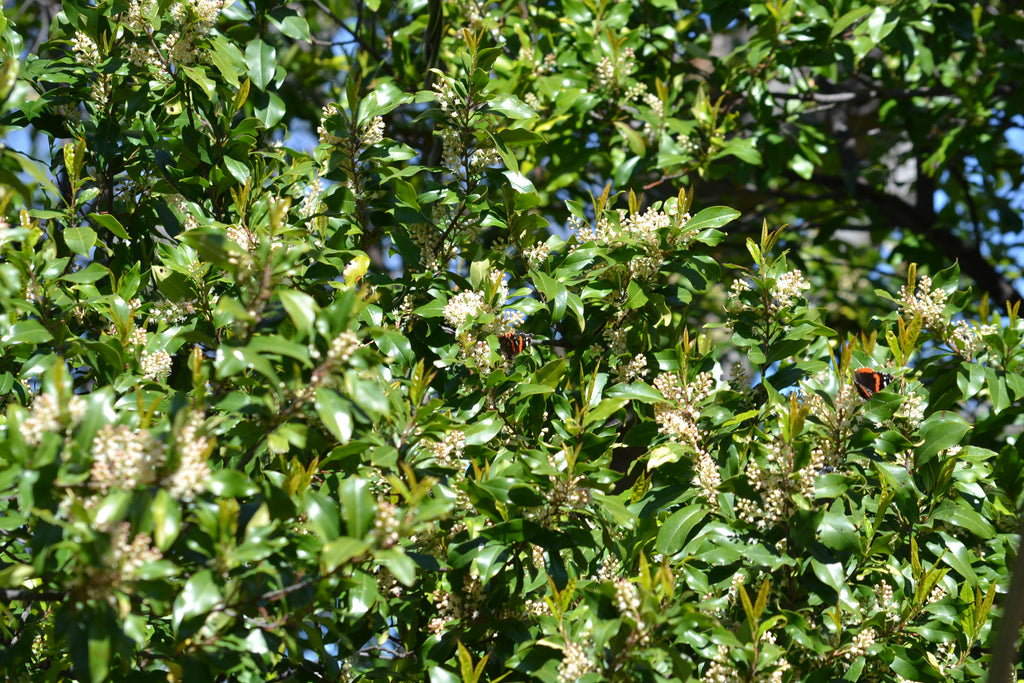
(869, 381)
(513, 343)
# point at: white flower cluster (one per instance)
(576, 662)
(173, 313)
(311, 201)
(446, 95)
(448, 453)
(924, 301)
(627, 601)
(453, 148)
(537, 254)
(428, 238)
(324, 136)
(610, 568)
(788, 288)
(123, 457)
(479, 357)
(616, 339)
(605, 72)
(137, 339)
(482, 158)
(372, 132)
(129, 556)
(206, 12)
(144, 56)
(386, 524)
(138, 15)
(677, 416)
(342, 348)
(912, 410)
(193, 469)
(644, 228)
(565, 495)
(707, 477)
(181, 48)
(652, 131)
(720, 670)
(44, 418)
(633, 370)
(776, 483)
(47, 417)
(462, 307)
(242, 237)
(155, 366)
(86, 50)
(677, 419)
(454, 606)
(861, 642)
(930, 304)
(338, 355)
(884, 599)
(647, 230)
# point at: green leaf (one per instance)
(270, 108)
(635, 391)
(335, 413)
(384, 97)
(712, 217)
(959, 513)
(848, 19)
(519, 182)
(322, 515)
(91, 273)
(80, 239)
(295, 27)
(261, 59)
(744, 149)
(801, 166)
(238, 169)
(636, 296)
(838, 532)
(482, 431)
(394, 345)
(340, 551)
(199, 595)
(531, 389)
(512, 107)
(401, 566)
(198, 76)
(166, 520)
(231, 361)
(110, 223)
(228, 59)
(358, 507)
(940, 431)
(301, 308)
(665, 454)
(831, 574)
(99, 652)
(676, 529)
(957, 556)
(230, 484)
(27, 332)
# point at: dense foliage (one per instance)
(488, 382)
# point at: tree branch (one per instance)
(972, 262)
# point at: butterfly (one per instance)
(869, 382)
(513, 343)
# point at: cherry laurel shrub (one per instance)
(351, 415)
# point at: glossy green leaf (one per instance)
(198, 596)
(335, 413)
